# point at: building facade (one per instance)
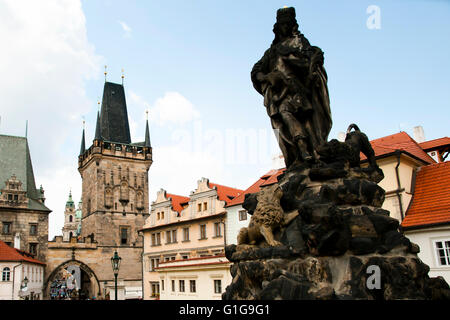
(22, 276)
(114, 174)
(72, 219)
(427, 221)
(183, 233)
(23, 214)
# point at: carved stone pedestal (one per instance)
(340, 245)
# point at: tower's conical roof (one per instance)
(114, 125)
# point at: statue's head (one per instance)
(286, 24)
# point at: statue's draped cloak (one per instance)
(303, 92)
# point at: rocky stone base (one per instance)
(328, 250)
(277, 274)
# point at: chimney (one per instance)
(341, 136)
(278, 161)
(17, 241)
(419, 134)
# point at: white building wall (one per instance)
(234, 225)
(203, 276)
(426, 238)
(10, 290)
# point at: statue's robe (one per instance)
(301, 92)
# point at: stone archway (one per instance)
(90, 281)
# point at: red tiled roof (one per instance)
(11, 254)
(399, 141)
(435, 144)
(225, 193)
(267, 179)
(431, 201)
(177, 201)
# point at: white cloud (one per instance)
(172, 108)
(46, 60)
(177, 170)
(125, 28)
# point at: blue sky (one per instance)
(189, 63)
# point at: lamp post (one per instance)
(115, 263)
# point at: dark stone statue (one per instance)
(318, 231)
(293, 81)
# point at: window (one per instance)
(168, 237)
(156, 239)
(443, 252)
(202, 231)
(70, 218)
(217, 286)
(33, 248)
(158, 216)
(162, 215)
(33, 229)
(16, 197)
(154, 263)
(174, 236)
(115, 206)
(6, 274)
(242, 215)
(162, 285)
(6, 229)
(217, 229)
(155, 289)
(169, 258)
(192, 285)
(173, 285)
(185, 234)
(205, 206)
(123, 235)
(185, 256)
(199, 207)
(181, 285)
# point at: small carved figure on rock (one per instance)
(359, 142)
(267, 216)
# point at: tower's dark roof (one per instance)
(15, 159)
(114, 125)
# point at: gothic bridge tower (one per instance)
(114, 174)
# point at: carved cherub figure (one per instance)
(267, 216)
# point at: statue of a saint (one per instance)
(293, 81)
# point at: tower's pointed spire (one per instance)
(69, 202)
(98, 133)
(83, 144)
(147, 134)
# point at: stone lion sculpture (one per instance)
(267, 216)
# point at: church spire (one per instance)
(83, 144)
(98, 134)
(147, 134)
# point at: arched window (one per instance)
(70, 218)
(6, 274)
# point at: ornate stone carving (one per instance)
(315, 233)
